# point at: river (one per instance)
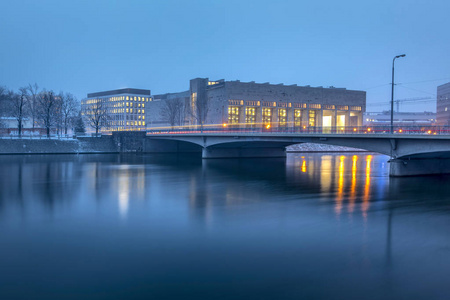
(312, 226)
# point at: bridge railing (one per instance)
(398, 130)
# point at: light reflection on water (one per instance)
(171, 227)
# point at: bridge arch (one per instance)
(410, 154)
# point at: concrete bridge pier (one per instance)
(243, 152)
(418, 166)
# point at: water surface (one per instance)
(312, 226)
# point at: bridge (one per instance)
(413, 150)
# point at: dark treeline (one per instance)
(41, 108)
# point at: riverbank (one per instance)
(106, 144)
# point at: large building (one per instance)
(443, 104)
(250, 104)
(116, 110)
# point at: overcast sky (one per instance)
(89, 46)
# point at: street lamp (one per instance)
(392, 93)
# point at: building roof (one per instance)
(120, 91)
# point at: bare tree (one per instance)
(199, 108)
(96, 115)
(48, 105)
(4, 104)
(18, 106)
(172, 111)
(33, 91)
(69, 109)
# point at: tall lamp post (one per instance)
(392, 93)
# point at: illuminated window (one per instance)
(128, 104)
(131, 110)
(143, 105)
(282, 117)
(250, 116)
(143, 117)
(312, 118)
(127, 99)
(143, 123)
(143, 111)
(127, 109)
(297, 117)
(233, 114)
(267, 115)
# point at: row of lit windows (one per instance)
(128, 123)
(140, 99)
(266, 113)
(128, 110)
(138, 105)
(139, 111)
(127, 104)
(127, 117)
(295, 105)
(115, 99)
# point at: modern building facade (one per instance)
(119, 110)
(443, 104)
(250, 104)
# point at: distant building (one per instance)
(250, 104)
(443, 104)
(124, 109)
(400, 118)
(158, 109)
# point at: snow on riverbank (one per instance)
(311, 147)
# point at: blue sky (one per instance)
(88, 46)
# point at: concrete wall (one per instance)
(129, 141)
(46, 146)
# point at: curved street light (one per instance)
(392, 93)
